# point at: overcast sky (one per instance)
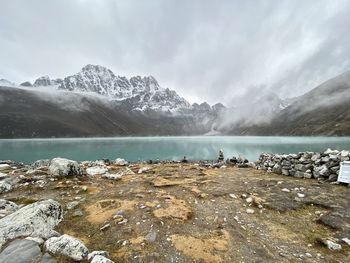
(205, 50)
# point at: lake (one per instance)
(163, 148)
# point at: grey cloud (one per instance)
(205, 50)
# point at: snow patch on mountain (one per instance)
(143, 93)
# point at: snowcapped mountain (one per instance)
(46, 81)
(144, 93)
(6, 83)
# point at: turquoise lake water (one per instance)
(163, 148)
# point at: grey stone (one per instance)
(78, 213)
(95, 170)
(60, 167)
(40, 163)
(285, 171)
(151, 236)
(97, 253)
(35, 220)
(72, 205)
(66, 245)
(101, 259)
(5, 186)
(120, 161)
(4, 167)
(21, 251)
(7, 207)
(47, 258)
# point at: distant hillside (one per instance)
(325, 110)
(27, 114)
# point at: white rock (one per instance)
(7, 207)
(3, 175)
(332, 245)
(346, 240)
(285, 190)
(344, 153)
(72, 205)
(101, 259)
(301, 195)
(5, 186)
(97, 253)
(4, 167)
(250, 211)
(64, 167)
(143, 169)
(96, 170)
(67, 246)
(120, 161)
(112, 176)
(233, 196)
(249, 199)
(36, 220)
(40, 163)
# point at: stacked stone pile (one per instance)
(319, 165)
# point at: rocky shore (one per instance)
(62, 210)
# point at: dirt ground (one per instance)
(190, 213)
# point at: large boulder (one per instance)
(68, 246)
(7, 207)
(35, 220)
(21, 251)
(60, 167)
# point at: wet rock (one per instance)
(35, 220)
(95, 170)
(7, 207)
(21, 251)
(120, 161)
(66, 245)
(60, 167)
(101, 259)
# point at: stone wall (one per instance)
(320, 165)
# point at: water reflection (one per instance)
(163, 148)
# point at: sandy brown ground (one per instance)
(189, 213)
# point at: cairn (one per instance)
(221, 156)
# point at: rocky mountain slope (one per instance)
(144, 93)
(29, 113)
(322, 111)
(97, 102)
